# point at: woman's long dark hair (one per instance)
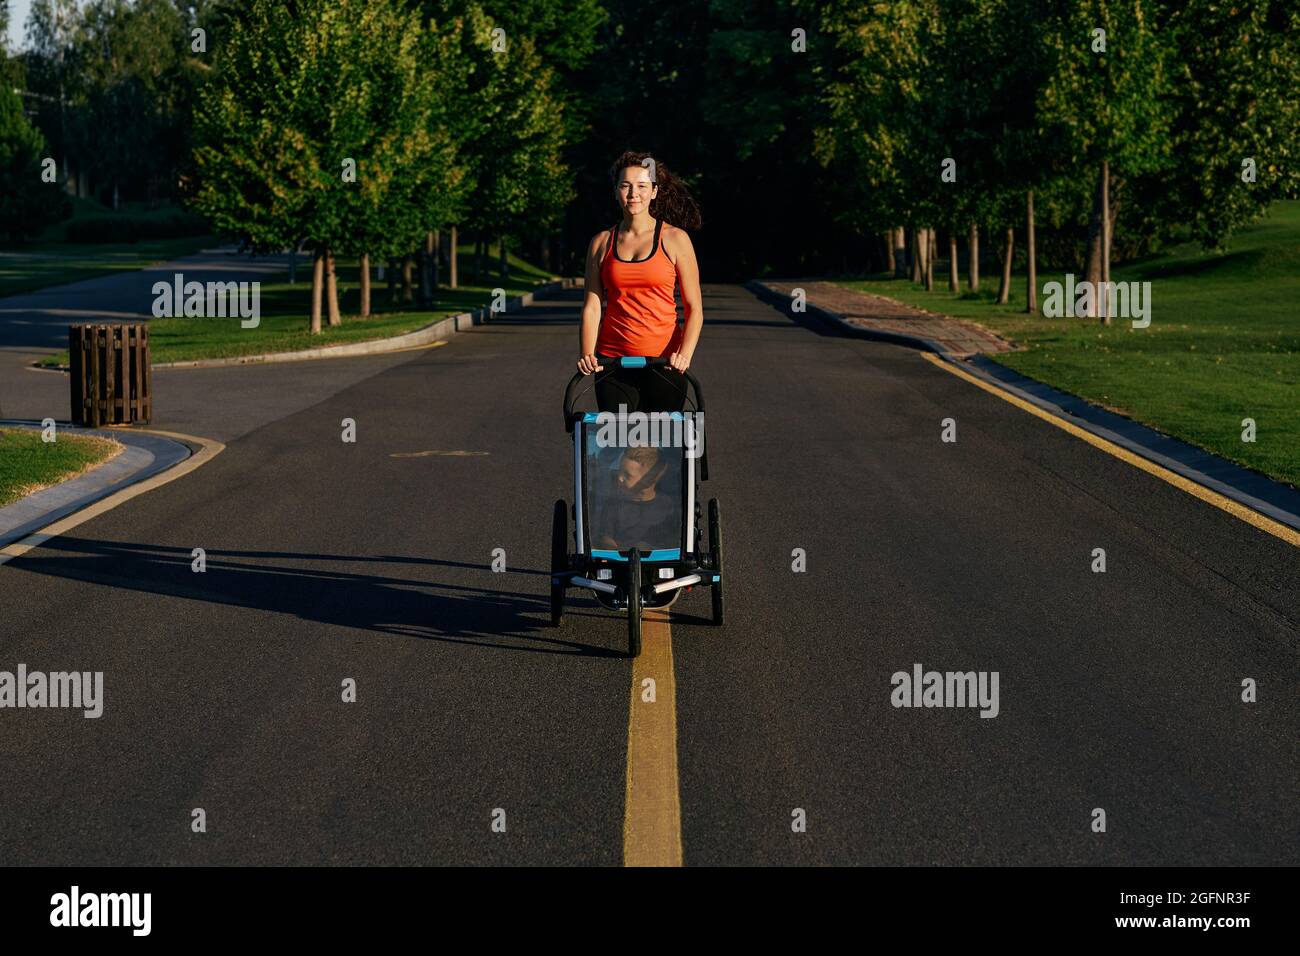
(674, 204)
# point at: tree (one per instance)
(11, 72)
(131, 112)
(1008, 173)
(27, 203)
(880, 140)
(50, 28)
(393, 212)
(514, 134)
(1105, 97)
(563, 36)
(321, 125)
(1232, 81)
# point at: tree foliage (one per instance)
(303, 94)
(27, 204)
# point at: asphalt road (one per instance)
(328, 561)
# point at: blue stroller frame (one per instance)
(631, 576)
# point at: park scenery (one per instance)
(1002, 354)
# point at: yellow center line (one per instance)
(427, 454)
(652, 821)
(1234, 508)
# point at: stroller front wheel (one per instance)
(634, 603)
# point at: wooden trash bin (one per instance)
(110, 380)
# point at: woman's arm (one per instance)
(682, 254)
(592, 306)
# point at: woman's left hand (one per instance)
(679, 361)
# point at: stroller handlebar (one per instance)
(626, 361)
(631, 361)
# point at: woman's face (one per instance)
(634, 190)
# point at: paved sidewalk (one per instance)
(143, 456)
(876, 313)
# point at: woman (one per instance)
(631, 272)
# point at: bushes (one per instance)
(171, 225)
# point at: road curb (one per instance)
(428, 335)
(1248, 488)
(68, 514)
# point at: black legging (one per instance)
(656, 389)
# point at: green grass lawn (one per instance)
(37, 266)
(285, 314)
(1223, 344)
(28, 464)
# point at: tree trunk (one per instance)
(1031, 291)
(365, 285)
(1105, 242)
(974, 250)
(436, 263)
(890, 262)
(392, 282)
(899, 238)
(931, 251)
(504, 268)
(426, 271)
(954, 274)
(1114, 207)
(317, 275)
(479, 253)
(408, 268)
(915, 255)
(332, 289)
(1092, 263)
(1004, 290)
(452, 258)
(293, 264)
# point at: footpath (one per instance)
(894, 321)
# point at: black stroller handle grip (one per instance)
(627, 361)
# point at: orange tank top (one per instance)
(640, 313)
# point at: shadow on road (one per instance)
(421, 607)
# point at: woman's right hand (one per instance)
(588, 365)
